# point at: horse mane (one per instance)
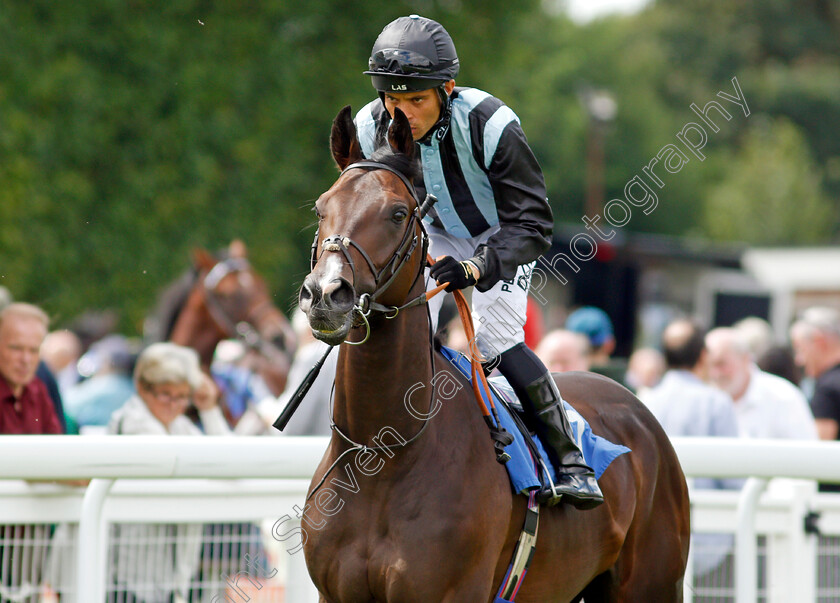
(405, 165)
(159, 324)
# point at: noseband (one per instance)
(383, 278)
(366, 302)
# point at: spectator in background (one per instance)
(562, 351)
(60, 352)
(25, 408)
(167, 378)
(686, 406)
(756, 335)
(766, 405)
(682, 402)
(149, 568)
(816, 341)
(42, 372)
(645, 369)
(25, 404)
(770, 356)
(598, 328)
(108, 365)
(236, 372)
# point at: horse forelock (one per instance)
(405, 165)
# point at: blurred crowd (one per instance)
(738, 380)
(734, 381)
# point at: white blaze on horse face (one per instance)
(331, 276)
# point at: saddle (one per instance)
(528, 467)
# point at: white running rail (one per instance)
(242, 479)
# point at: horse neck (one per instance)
(195, 329)
(373, 379)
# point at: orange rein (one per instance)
(469, 331)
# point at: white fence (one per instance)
(153, 480)
(149, 479)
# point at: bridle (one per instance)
(366, 303)
(242, 330)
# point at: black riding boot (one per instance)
(575, 479)
(535, 387)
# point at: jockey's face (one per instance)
(421, 108)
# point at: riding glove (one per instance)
(459, 275)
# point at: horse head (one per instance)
(366, 252)
(229, 300)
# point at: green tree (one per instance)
(133, 132)
(772, 194)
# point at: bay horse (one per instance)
(225, 298)
(411, 505)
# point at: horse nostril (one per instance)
(310, 293)
(339, 294)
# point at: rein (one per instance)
(498, 434)
(366, 303)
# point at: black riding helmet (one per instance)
(412, 54)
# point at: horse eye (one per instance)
(399, 215)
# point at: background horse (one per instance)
(409, 503)
(224, 298)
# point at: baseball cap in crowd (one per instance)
(592, 322)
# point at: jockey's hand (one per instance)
(459, 275)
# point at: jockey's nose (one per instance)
(337, 295)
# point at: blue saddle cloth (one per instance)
(597, 451)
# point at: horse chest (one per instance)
(382, 575)
(363, 569)
(383, 551)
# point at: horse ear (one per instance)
(399, 134)
(203, 259)
(237, 249)
(343, 141)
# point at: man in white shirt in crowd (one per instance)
(766, 406)
(682, 402)
(686, 406)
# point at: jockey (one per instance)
(491, 222)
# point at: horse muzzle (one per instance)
(328, 307)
